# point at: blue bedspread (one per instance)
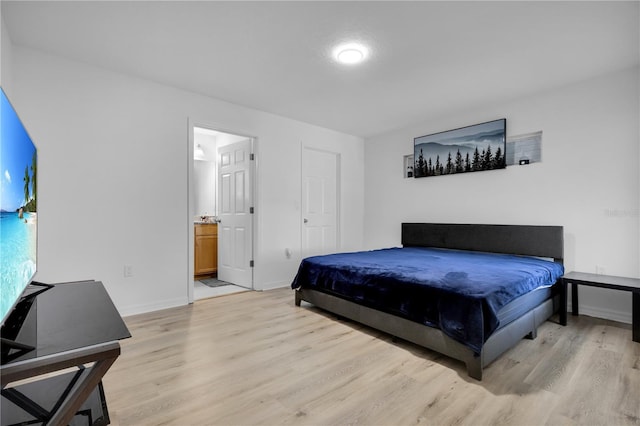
(459, 292)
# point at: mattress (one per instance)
(468, 295)
(523, 304)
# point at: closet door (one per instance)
(320, 202)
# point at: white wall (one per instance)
(113, 179)
(204, 191)
(6, 55)
(107, 199)
(588, 180)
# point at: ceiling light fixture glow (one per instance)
(351, 53)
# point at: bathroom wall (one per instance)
(204, 173)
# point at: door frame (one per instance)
(191, 123)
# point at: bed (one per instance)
(468, 291)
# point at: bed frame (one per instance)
(528, 240)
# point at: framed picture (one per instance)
(467, 149)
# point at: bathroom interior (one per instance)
(205, 221)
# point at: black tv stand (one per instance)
(10, 348)
(70, 326)
(30, 292)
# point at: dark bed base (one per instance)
(543, 241)
(432, 338)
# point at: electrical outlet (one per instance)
(128, 271)
(600, 270)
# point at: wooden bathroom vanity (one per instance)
(206, 249)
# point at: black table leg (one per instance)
(574, 299)
(635, 316)
(563, 302)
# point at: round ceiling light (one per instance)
(350, 54)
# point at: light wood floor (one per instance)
(255, 358)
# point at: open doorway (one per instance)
(221, 191)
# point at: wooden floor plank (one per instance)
(256, 359)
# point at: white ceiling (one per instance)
(427, 58)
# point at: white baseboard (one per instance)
(157, 306)
(609, 314)
(592, 311)
(273, 285)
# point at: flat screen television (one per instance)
(467, 149)
(18, 208)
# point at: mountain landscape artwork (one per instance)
(467, 149)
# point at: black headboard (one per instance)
(527, 240)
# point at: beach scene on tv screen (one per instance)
(18, 212)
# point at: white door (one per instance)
(320, 230)
(235, 247)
